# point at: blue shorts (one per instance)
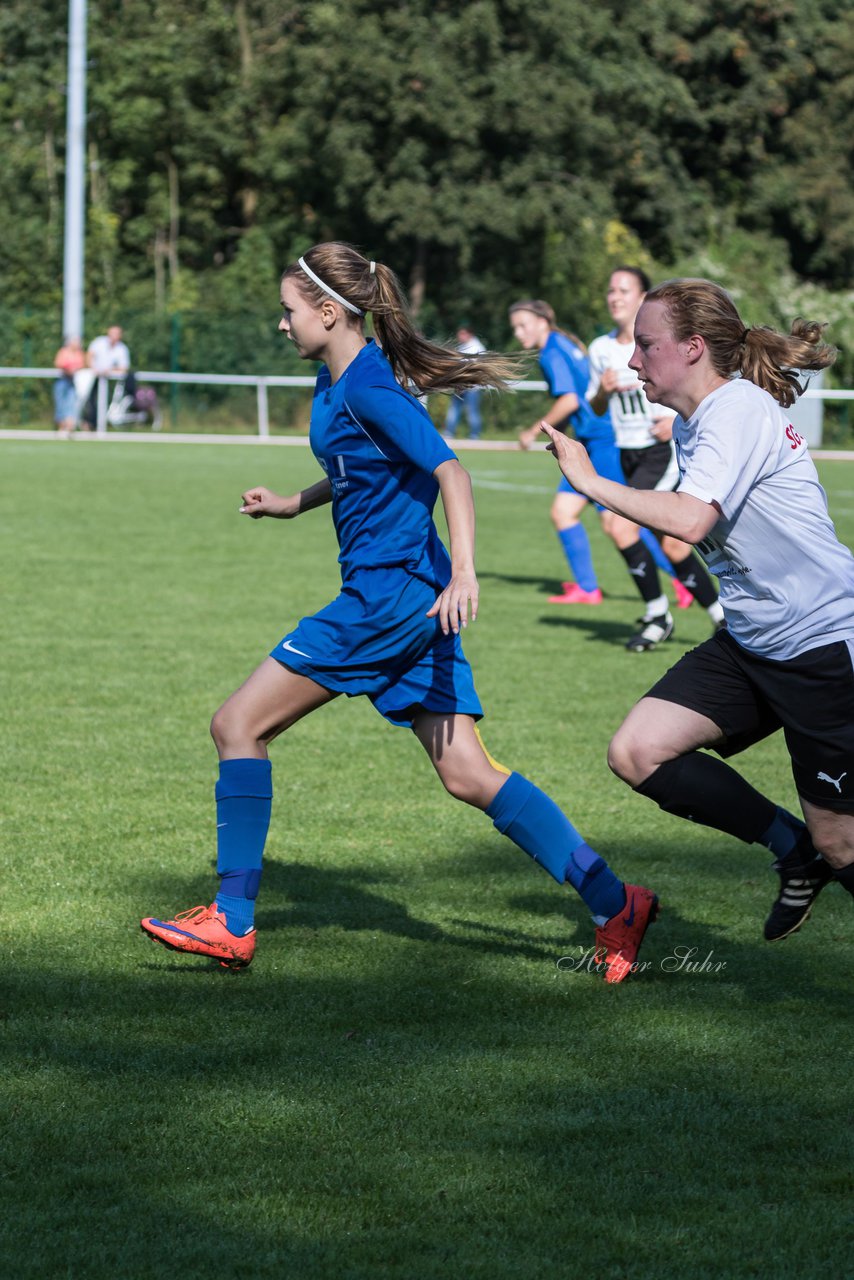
(605, 457)
(375, 639)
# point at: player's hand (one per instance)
(260, 502)
(529, 436)
(571, 457)
(662, 429)
(453, 605)
(609, 381)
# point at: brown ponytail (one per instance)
(759, 354)
(375, 288)
(547, 312)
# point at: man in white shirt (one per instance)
(107, 357)
(466, 401)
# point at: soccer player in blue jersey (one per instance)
(563, 360)
(393, 632)
(750, 500)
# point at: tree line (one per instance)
(487, 151)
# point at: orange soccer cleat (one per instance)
(202, 931)
(619, 940)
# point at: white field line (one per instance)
(176, 437)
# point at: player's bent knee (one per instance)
(471, 790)
(626, 760)
(229, 732)
(834, 846)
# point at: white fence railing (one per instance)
(262, 382)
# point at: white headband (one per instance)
(325, 287)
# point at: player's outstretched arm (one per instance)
(260, 501)
(461, 593)
(561, 409)
(679, 514)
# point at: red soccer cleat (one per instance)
(621, 937)
(201, 931)
(574, 594)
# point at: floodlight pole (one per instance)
(75, 173)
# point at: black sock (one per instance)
(692, 573)
(642, 568)
(705, 790)
(845, 876)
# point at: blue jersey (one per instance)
(567, 371)
(379, 448)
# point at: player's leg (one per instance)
(583, 588)
(833, 835)
(472, 402)
(533, 821)
(705, 701)
(814, 696)
(684, 599)
(566, 510)
(270, 701)
(452, 417)
(693, 576)
(641, 468)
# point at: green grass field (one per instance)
(407, 1083)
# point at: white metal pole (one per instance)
(75, 172)
(263, 413)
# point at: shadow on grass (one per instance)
(610, 631)
(360, 1105)
(335, 898)
(545, 585)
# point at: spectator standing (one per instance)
(107, 357)
(69, 360)
(467, 401)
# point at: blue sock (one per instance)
(239, 913)
(783, 834)
(535, 823)
(244, 798)
(576, 548)
(653, 546)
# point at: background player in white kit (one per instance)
(643, 432)
(750, 500)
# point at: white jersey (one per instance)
(787, 582)
(104, 356)
(632, 415)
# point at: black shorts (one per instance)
(653, 467)
(811, 698)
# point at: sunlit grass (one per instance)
(414, 1079)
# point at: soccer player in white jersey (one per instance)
(749, 499)
(643, 432)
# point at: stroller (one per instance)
(133, 406)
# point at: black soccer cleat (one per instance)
(653, 631)
(800, 884)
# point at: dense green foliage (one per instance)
(486, 150)
(405, 1085)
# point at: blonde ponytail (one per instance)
(369, 286)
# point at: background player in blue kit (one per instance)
(750, 500)
(393, 632)
(563, 360)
